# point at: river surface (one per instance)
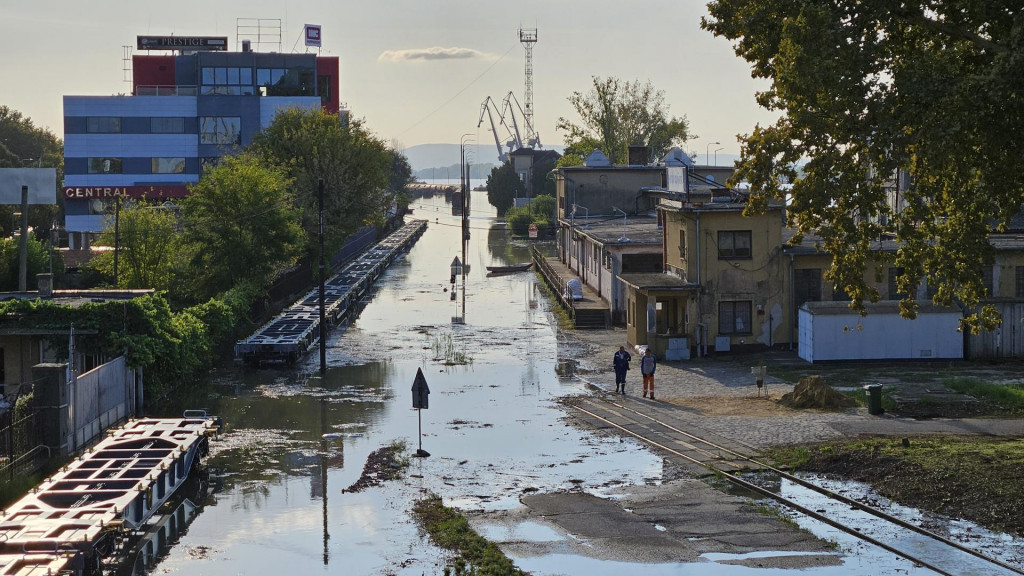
(278, 501)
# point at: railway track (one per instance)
(726, 458)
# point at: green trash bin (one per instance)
(874, 395)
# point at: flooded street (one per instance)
(279, 499)
(492, 428)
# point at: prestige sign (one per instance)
(150, 192)
(182, 42)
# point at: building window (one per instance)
(734, 317)
(104, 165)
(208, 162)
(894, 276)
(807, 285)
(323, 87)
(230, 81)
(103, 125)
(220, 130)
(168, 165)
(733, 244)
(682, 245)
(167, 125)
(987, 280)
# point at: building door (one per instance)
(806, 288)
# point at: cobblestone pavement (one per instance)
(720, 395)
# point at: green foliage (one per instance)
(240, 225)
(147, 245)
(519, 220)
(615, 115)
(358, 171)
(450, 530)
(503, 186)
(544, 206)
(870, 89)
(38, 261)
(174, 349)
(1007, 396)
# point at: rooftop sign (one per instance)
(182, 42)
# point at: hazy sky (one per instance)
(416, 70)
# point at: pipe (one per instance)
(792, 300)
(702, 341)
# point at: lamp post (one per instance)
(716, 155)
(709, 145)
(465, 218)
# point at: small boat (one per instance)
(509, 269)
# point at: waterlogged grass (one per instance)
(451, 531)
(565, 321)
(975, 478)
(447, 351)
(1007, 396)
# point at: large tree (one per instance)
(240, 224)
(503, 187)
(146, 240)
(615, 115)
(870, 89)
(355, 165)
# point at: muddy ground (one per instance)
(985, 490)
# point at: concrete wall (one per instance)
(599, 189)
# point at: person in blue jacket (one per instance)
(621, 365)
(647, 366)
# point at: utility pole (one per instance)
(23, 243)
(117, 235)
(323, 315)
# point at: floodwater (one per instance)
(278, 500)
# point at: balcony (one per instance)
(156, 90)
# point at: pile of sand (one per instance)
(813, 392)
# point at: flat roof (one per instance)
(657, 281)
(640, 230)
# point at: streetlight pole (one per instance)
(716, 155)
(465, 219)
(709, 145)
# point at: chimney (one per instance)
(45, 283)
(246, 46)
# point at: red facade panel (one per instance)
(152, 71)
(327, 69)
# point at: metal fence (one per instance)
(101, 398)
(21, 449)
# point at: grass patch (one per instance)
(975, 478)
(450, 530)
(447, 352)
(565, 321)
(1007, 396)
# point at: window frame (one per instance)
(118, 162)
(218, 137)
(178, 166)
(734, 305)
(178, 128)
(731, 253)
(103, 124)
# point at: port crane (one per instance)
(506, 114)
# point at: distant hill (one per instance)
(426, 156)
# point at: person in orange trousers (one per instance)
(647, 366)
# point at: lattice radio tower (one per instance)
(528, 37)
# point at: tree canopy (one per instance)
(240, 225)
(869, 89)
(356, 168)
(615, 115)
(503, 187)
(147, 238)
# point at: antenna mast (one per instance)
(528, 37)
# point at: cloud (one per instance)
(434, 53)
